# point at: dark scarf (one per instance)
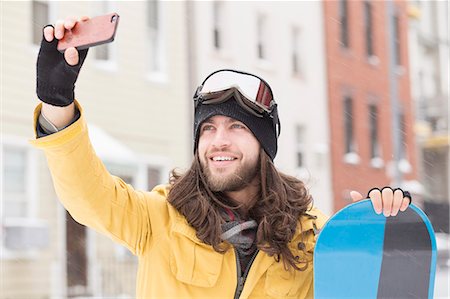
(241, 234)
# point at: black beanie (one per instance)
(264, 128)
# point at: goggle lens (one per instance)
(256, 93)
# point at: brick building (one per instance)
(372, 142)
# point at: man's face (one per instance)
(229, 153)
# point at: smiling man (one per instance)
(228, 153)
(232, 226)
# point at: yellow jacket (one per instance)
(173, 262)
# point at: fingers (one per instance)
(397, 202)
(67, 24)
(375, 197)
(356, 196)
(387, 196)
(71, 56)
(49, 33)
(388, 201)
(59, 29)
(405, 204)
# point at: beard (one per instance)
(238, 180)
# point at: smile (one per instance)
(222, 158)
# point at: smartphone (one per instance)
(96, 31)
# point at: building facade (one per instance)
(134, 95)
(283, 43)
(370, 109)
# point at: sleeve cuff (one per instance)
(44, 127)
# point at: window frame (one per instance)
(157, 33)
(31, 194)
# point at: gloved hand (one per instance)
(405, 193)
(55, 78)
(386, 201)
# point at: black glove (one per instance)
(55, 78)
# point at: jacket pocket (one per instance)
(281, 283)
(194, 263)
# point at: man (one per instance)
(232, 226)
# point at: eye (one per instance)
(238, 126)
(207, 128)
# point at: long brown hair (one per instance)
(282, 199)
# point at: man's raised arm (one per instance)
(84, 186)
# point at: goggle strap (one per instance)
(276, 120)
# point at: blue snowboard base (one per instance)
(360, 254)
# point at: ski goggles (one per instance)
(250, 91)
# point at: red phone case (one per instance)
(96, 31)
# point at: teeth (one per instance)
(223, 158)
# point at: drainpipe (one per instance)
(393, 95)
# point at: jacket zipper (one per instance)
(241, 279)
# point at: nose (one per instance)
(221, 138)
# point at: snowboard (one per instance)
(360, 254)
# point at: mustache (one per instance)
(222, 151)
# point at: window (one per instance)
(368, 28)
(348, 125)
(217, 24)
(154, 35)
(18, 167)
(40, 18)
(343, 21)
(295, 62)
(261, 36)
(373, 127)
(15, 182)
(153, 177)
(21, 231)
(104, 52)
(300, 141)
(396, 36)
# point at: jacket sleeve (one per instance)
(44, 127)
(89, 192)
